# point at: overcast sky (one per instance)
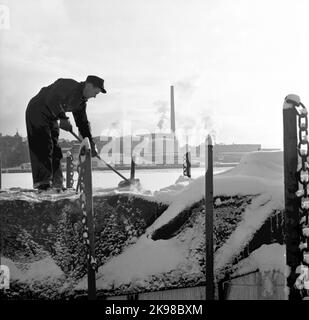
(231, 62)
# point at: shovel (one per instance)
(122, 184)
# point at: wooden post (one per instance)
(187, 165)
(70, 172)
(188, 160)
(132, 173)
(87, 208)
(209, 218)
(292, 236)
(0, 173)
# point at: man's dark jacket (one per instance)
(65, 95)
(43, 111)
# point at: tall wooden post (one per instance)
(0, 173)
(90, 220)
(187, 165)
(292, 236)
(132, 171)
(209, 218)
(188, 160)
(87, 208)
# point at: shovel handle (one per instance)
(119, 174)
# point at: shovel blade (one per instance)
(128, 183)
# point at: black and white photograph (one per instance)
(154, 150)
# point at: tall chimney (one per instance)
(172, 111)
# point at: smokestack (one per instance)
(172, 111)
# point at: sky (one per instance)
(231, 63)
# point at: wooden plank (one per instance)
(0, 173)
(251, 287)
(117, 298)
(290, 187)
(248, 279)
(194, 293)
(210, 290)
(90, 223)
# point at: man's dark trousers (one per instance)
(45, 152)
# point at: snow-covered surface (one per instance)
(259, 174)
(270, 261)
(148, 257)
(42, 270)
(268, 257)
(143, 259)
(237, 181)
(135, 267)
(152, 179)
(262, 164)
(32, 195)
(253, 218)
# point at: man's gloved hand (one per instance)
(65, 125)
(94, 150)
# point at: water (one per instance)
(153, 179)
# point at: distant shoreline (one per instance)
(138, 167)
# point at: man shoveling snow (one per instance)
(42, 114)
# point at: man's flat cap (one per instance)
(97, 82)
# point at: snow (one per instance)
(145, 258)
(292, 97)
(254, 217)
(32, 195)
(237, 181)
(151, 179)
(265, 164)
(42, 270)
(259, 174)
(15, 273)
(268, 257)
